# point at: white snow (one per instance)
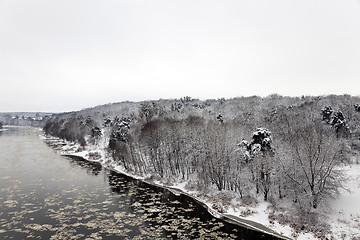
(345, 219)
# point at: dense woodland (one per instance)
(280, 149)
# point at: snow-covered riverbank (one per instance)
(344, 217)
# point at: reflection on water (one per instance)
(46, 196)
(93, 168)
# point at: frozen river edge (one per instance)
(58, 144)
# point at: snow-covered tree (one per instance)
(337, 120)
(107, 122)
(176, 107)
(326, 114)
(147, 111)
(259, 155)
(261, 143)
(357, 107)
(339, 124)
(220, 118)
(95, 134)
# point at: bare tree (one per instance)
(314, 153)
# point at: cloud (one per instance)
(79, 52)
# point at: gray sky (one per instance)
(71, 54)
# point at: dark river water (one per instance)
(47, 196)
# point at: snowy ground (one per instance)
(344, 218)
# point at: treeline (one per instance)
(25, 119)
(279, 148)
(74, 129)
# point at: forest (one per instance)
(287, 151)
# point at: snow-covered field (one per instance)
(345, 220)
(344, 217)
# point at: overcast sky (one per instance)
(67, 55)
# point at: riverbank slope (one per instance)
(252, 217)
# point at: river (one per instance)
(47, 196)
